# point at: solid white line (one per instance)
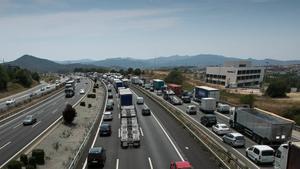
(119, 115)
(5, 145)
(150, 163)
(36, 124)
(142, 131)
(17, 125)
(117, 164)
(172, 143)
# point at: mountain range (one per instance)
(202, 60)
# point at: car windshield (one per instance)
(267, 153)
(239, 138)
(224, 127)
(104, 127)
(28, 118)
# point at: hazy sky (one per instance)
(98, 29)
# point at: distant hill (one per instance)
(43, 65)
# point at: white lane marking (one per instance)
(142, 131)
(119, 133)
(119, 115)
(117, 164)
(17, 125)
(54, 111)
(150, 162)
(36, 124)
(172, 143)
(5, 145)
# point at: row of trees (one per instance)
(16, 75)
(130, 70)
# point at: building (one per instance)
(235, 74)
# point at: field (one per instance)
(13, 88)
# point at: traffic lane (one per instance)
(25, 134)
(194, 152)
(220, 119)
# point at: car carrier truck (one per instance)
(129, 132)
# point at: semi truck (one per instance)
(287, 156)
(125, 97)
(208, 105)
(176, 88)
(70, 88)
(204, 92)
(262, 126)
(158, 84)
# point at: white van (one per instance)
(139, 100)
(260, 154)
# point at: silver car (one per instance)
(234, 139)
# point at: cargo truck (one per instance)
(129, 132)
(204, 92)
(158, 84)
(135, 80)
(208, 105)
(125, 97)
(262, 126)
(117, 83)
(287, 156)
(70, 88)
(176, 88)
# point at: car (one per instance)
(48, 87)
(81, 91)
(10, 101)
(29, 120)
(151, 89)
(96, 156)
(111, 101)
(139, 100)
(234, 139)
(146, 111)
(159, 93)
(191, 109)
(175, 100)
(109, 105)
(107, 116)
(260, 154)
(110, 95)
(105, 129)
(42, 89)
(220, 129)
(208, 120)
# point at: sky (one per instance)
(99, 29)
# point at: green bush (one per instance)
(91, 96)
(39, 155)
(82, 104)
(14, 164)
(32, 162)
(24, 159)
(29, 167)
(69, 114)
(277, 88)
(175, 76)
(248, 99)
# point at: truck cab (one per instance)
(180, 165)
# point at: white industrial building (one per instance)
(235, 74)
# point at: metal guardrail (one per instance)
(80, 150)
(222, 154)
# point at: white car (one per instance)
(260, 154)
(11, 101)
(139, 100)
(220, 129)
(81, 91)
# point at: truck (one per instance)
(261, 126)
(129, 131)
(158, 84)
(204, 92)
(208, 105)
(180, 165)
(125, 83)
(287, 156)
(70, 88)
(117, 83)
(176, 88)
(125, 97)
(135, 80)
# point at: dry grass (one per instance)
(13, 88)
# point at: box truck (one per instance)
(125, 97)
(208, 105)
(158, 84)
(262, 126)
(287, 156)
(204, 92)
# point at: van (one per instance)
(208, 120)
(139, 100)
(260, 154)
(191, 109)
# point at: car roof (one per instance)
(222, 124)
(182, 164)
(191, 105)
(105, 124)
(29, 116)
(107, 113)
(236, 134)
(209, 115)
(139, 97)
(96, 150)
(263, 147)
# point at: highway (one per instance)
(162, 140)
(14, 136)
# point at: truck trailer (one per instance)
(205, 92)
(176, 88)
(125, 97)
(262, 126)
(70, 88)
(287, 156)
(129, 132)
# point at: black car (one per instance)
(105, 129)
(110, 95)
(208, 120)
(146, 111)
(96, 156)
(29, 120)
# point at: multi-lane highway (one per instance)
(14, 136)
(162, 140)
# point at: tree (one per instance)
(130, 70)
(175, 76)
(248, 99)
(137, 71)
(35, 76)
(69, 114)
(24, 77)
(3, 78)
(277, 88)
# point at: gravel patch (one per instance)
(61, 144)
